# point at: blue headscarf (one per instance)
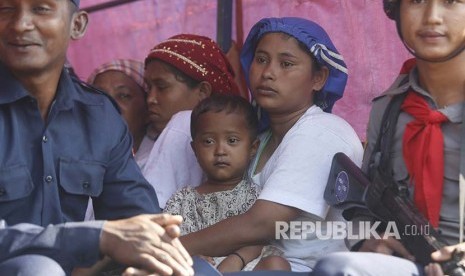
(76, 2)
(318, 43)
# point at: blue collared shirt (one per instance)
(48, 170)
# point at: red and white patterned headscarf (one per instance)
(198, 57)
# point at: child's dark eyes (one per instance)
(233, 140)
(208, 141)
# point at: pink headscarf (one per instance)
(132, 68)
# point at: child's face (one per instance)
(223, 145)
(434, 29)
(166, 94)
(282, 78)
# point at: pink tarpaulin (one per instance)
(359, 29)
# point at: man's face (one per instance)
(433, 29)
(34, 34)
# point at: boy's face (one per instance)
(166, 94)
(433, 29)
(223, 146)
(34, 34)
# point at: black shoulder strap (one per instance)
(380, 157)
(89, 88)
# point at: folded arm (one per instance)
(255, 227)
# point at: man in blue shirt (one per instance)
(62, 142)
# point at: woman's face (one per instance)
(167, 95)
(129, 96)
(282, 77)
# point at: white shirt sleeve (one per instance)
(171, 164)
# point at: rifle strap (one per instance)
(461, 177)
(380, 157)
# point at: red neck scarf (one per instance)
(423, 150)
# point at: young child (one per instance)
(224, 139)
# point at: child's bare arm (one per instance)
(237, 260)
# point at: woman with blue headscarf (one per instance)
(295, 75)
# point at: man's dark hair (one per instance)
(228, 103)
(391, 8)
